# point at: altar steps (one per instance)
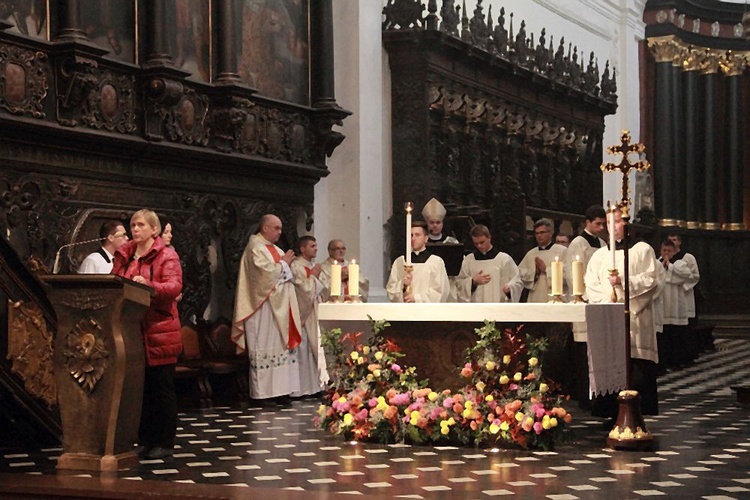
(728, 326)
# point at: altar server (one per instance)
(533, 267)
(487, 274)
(428, 282)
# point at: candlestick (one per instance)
(335, 279)
(612, 242)
(409, 207)
(556, 277)
(353, 278)
(577, 270)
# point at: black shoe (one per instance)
(159, 452)
(283, 400)
(142, 449)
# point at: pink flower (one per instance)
(373, 402)
(435, 413)
(396, 368)
(448, 402)
(400, 399)
(513, 387)
(538, 427)
(361, 416)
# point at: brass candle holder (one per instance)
(578, 299)
(614, 272)
(335, 299)
(555, 298)
(353, 299)
(408, 269)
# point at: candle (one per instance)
(407, 256)
(612, 243)
(556, 277)
(578, 276)
(354, 278)
(335, 279)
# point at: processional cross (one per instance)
(630, 432)
(625, 166)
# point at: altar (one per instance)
(434, 336)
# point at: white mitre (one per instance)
(433, 210)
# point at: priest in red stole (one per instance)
(266, 315)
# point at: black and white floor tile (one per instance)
(702, 451)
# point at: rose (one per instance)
(506, 359)
(379, 355)
(480, 386)
(348, 419)
(517, 377)
(354, 355)
(533, 362)
(504, 426)
(366, 349)
(376, 373)
(490, 365)
(432, 396)
(504, 379)
(494, 429)
(543, 388)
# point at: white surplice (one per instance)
(502, 271)
(540, 286)
(429, 281)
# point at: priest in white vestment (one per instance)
(337, 255)
(487, 274)
(643, 281)
(428, 282)
(266, 315)
(537, 261)
(312, 362)
(691, 341)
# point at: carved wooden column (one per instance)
(710, 185)
(690, 182)
(321, 54)
(664, 50)
(226, 49)
(157, 53)
(677, 180)
(70, 21)
(733, 68)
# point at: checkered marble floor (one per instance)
(702, 451)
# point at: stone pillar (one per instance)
(733, 68)
(226, 49)
(692, 186)
(157, 53)
(664, 50)
(70, 21)
(710, 185)
(321, 54)
(677, 180)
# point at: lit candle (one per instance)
(407, 256)
(335, 279)
(556, 277)
(578, 276)
(353, 278)
(612, 242)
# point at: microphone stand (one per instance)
(56, 266)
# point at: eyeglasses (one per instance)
(339, 248)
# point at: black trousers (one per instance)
(159, 410)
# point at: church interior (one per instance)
(334, 115)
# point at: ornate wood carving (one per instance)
(23, 80)
(85, 354)
(30, 350)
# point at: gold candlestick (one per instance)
(614, 272)
(408, 270)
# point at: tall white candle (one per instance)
(556, 277)
(407, 256)
(335, 279)
(612, 242)
(578, 276)
(353, 278)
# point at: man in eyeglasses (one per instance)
(336, 254)
(534, 266)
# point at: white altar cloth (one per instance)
(605, 324)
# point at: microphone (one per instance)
(56, 266)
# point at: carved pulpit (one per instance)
(99, 368)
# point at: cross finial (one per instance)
(625, 149)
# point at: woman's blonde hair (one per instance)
(150, 217)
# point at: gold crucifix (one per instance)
(626, 149)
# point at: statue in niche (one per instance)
(274, 49)
(500, 34)
(450, 16)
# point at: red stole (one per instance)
(295, 339)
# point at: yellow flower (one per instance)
(504, 426)
(490, 365)
(504, 379)
(494, 429)
(432, 396)
(506, 359)
(517, 377)
(443, 423)
(321, 410)
(370, 377)
(379, 355)
(553, 422)
(414, 415)
(342, 400)
(445, 430)
(519, 416)
(545, 422)
(366, 349)
(488, 398)
(469, 405)
(480, 386)
(468, 412)
(348, 419)
(361, 361)
(543, 387)
(354, 355)
(376, 373)
(533, 362)
(451, 421)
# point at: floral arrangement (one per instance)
(505, 401)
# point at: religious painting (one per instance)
(110, 24)
(188, 35)
(274, 52)
(28, 17)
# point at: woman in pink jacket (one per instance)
(145, 259)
